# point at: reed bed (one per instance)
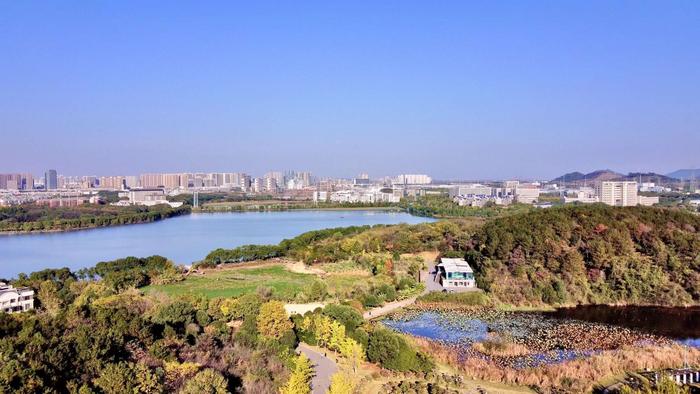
(575, 376)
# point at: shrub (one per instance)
(207, 381)
(391, 351)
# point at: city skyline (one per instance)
(477, 90)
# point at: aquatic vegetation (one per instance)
(518, 340)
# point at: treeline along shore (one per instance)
(28, 218)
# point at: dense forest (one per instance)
(590, 254)
(31, 217)
(442, 206)
(561, 255)
(336, 244)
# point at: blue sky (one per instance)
(466, 89)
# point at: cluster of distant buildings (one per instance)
(501, 193)
(152, 188)
(54, 189)
(615, 193)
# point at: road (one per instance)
(324, 368)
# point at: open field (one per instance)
(238, 281)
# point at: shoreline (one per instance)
(244, 209)
(55, 231)
(202, 211)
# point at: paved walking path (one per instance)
(324, 368)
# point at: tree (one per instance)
(49, 298)
(353, 351)
(207, 381)
(176, 313)
(117, 379)
(300, 380)
(383, 346)
(148, 382)
(341, 383)
(272, 322)
(345, 314)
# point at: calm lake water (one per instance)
(184, 239)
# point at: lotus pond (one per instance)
(526, 339)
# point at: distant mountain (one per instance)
(685, 174)
(595, 176)
(647, 177)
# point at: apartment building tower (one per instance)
(617, 193)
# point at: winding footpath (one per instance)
(323, 366)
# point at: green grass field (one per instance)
(235, 282)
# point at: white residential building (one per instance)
(363, 196)
(648, 200)
(13, 299)
(584, 195)
(474, 189)
(147, 197)
(413, 179)
(527, 194)
(618, 193)
(320, 196)
(455, 273)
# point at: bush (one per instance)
(345, 315)
(391, 351)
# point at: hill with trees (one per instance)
(590, 254)
(595, 176)
(687, 173)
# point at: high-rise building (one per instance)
(619, 194)
(50, 180)
(131, 181)
(10, 181)
(171, 181)
(219, 178)
(149, 181)
(306, 178)
(245, 182)
(278, 176)
(413, 179)
(112, 182)
(258, 185)
(16, 182)
(27, 182)
(271, 185)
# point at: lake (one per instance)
(184, 239)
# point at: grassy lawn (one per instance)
(341, 285)
(235, 282)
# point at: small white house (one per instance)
(455, 273)
(13, 299)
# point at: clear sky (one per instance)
(464, 89)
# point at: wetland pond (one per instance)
(530, 339)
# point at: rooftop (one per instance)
(454, 264)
